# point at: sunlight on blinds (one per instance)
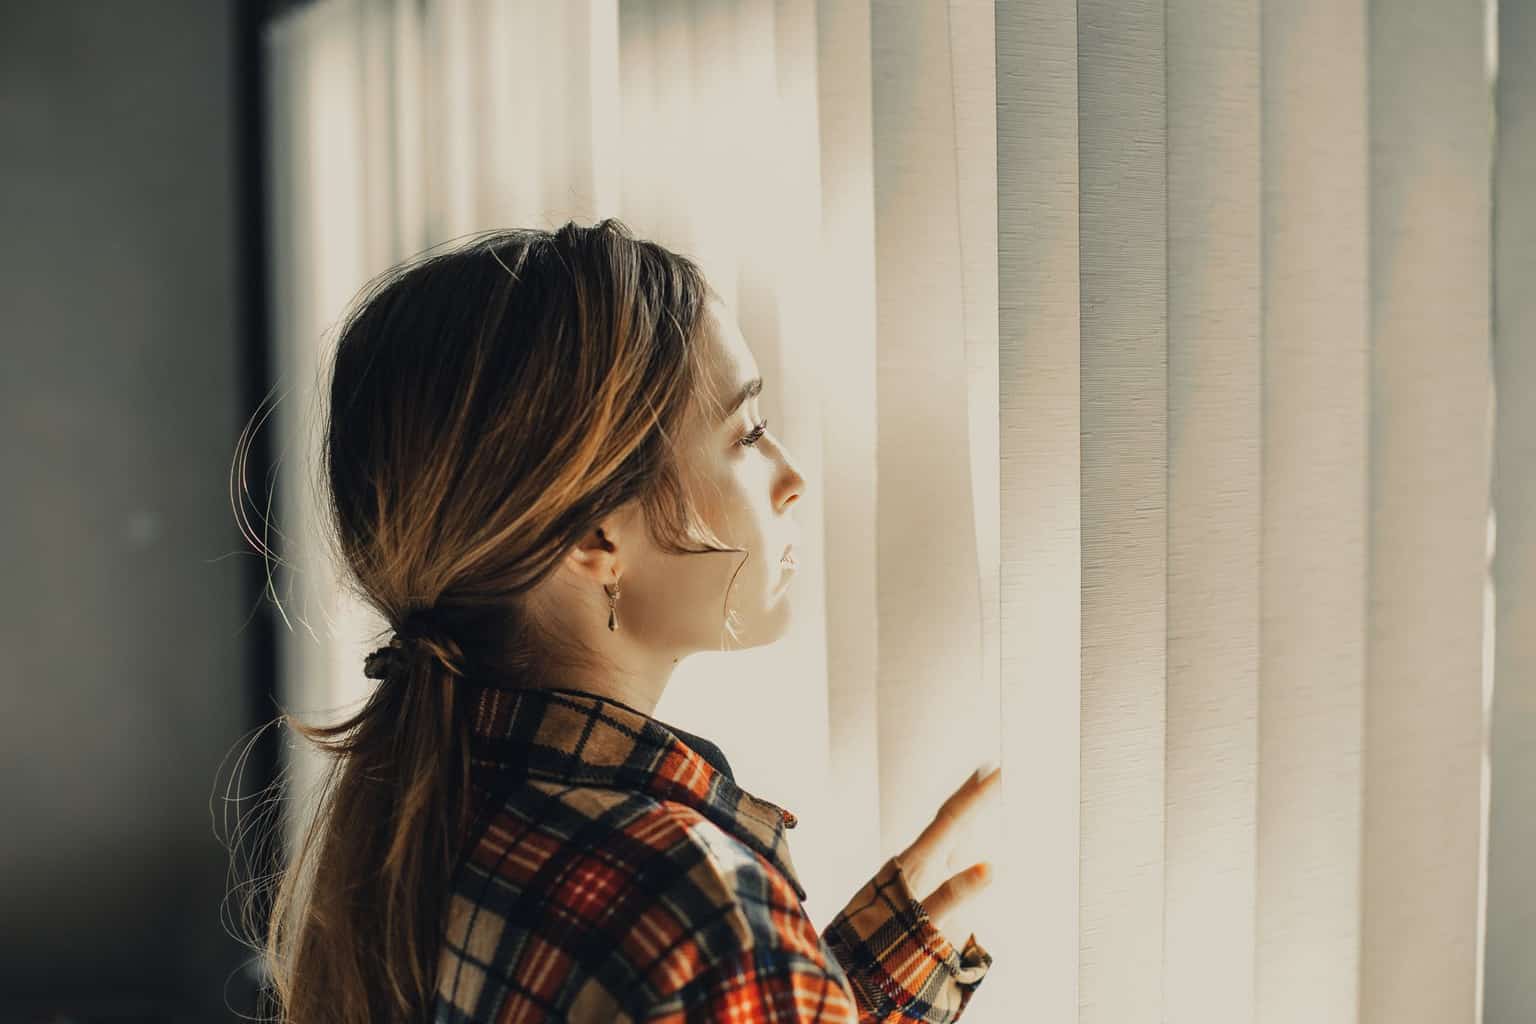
(1140, 358)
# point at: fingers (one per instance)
(921, 859)
(971, 791)
(947, 898)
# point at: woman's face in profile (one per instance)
(745, 484)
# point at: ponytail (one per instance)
(384, 842)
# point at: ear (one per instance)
(597, 555)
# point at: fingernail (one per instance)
(988, 765)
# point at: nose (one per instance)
(792, 487)
(790, 484)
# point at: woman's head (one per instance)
(520, 421)
(512, 425)
(739, 484)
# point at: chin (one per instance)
(777, 617)
(766, 625)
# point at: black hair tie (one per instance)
(419, 630)
(390, 661)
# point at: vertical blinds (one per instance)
(1146, 358)
(1281, 371)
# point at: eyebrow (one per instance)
(750, 388)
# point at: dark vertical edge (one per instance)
(253, 336)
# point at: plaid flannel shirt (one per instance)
(616, 872)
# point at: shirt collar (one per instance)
(580, 738)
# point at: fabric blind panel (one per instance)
(1509, 991)
(973, 92)
(848, 360)
(1039, 315)
(1215, 390)
(1124, 343)
(937, 715)
(1430, 165)
(1316, 304)
(544, 162)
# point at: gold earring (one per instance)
(613, 596)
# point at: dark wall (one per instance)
(125, 590)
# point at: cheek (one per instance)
(743, 514)
(723, 501)
(734, 501)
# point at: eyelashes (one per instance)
(756, 435)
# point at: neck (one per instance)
(637, 691)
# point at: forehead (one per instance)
(727, 356)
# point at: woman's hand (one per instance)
(931, 856)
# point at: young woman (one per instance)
(545, 473)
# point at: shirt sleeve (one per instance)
(899, 966)
(760, 986)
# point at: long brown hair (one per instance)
(488, 406)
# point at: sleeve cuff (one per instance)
(898, 962)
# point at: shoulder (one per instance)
(715, 900)
(729, 939)
(609, 898)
